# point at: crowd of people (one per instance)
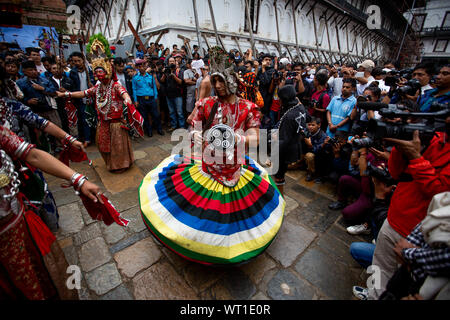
(384, 186)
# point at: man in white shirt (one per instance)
(364, 79)
(119, 65)
(35, 56)
(190, 80)
(424, 72)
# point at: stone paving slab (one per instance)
(290, 242)
(117, 182)
(238, 284)
(137, 257)
(129, 241)
(113, 233)
(88, 233)
(119, 293)
(162, 282)
(287, 286)
(103, 279)
(93, 254)
(70, 220)
(331, 276)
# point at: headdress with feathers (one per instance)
(222, 66)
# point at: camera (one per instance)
(427, 123)
(291, 75)
(381, 174)
(410, 88)
(276, 74)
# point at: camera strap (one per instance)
(211, 116)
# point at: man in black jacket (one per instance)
(291, 131)
(83, 79)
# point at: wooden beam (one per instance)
(250, 25)
(295, 30)
(218, 40)
(107, 19)
(206, 40)
(141, 11)
(237, 44)
(197, 28)
(339, 44)
(186, 41)
(311, 9)
(96, 21)
(278, 30)
(122, 20)
(289, 52)
(315, 30)
(328, 33)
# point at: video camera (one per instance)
(426, 123)
(381, 174)
(170, 69)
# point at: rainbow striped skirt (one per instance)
(204, 221)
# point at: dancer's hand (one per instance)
(92, 191)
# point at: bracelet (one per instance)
(78, 180)
(69, 138)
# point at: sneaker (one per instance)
(171, 129)
(358, 229)
(337, 205)
(360, 292)
(309, 177)
(318, 180)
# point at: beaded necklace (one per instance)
(106, 94)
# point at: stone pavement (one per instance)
(309, 259)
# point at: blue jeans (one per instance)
(273, 117)
(83, 128)
(362, 252)
(176, 112)
(145, 107)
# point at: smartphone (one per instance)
(359, 75)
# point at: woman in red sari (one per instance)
(32, 264)
(111, 102)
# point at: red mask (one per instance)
(100, 74)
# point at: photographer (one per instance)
(265, 78)
(357, 182)
(145, 92)
(314, 140)
(332, 159)
(320, 98)
(424, 174)
(440, 94)
(172, 79)
(303, 87)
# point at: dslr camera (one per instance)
(427, 123)
(381, 174)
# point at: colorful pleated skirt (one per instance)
(204, 221)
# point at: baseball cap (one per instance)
(284, 61)
(139, 61)
(367, 64)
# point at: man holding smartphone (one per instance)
(364, 76)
